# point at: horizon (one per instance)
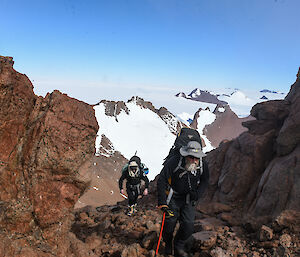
(116, 49)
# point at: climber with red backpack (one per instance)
(184, 177)
(134, 172)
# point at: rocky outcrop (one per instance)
(102, 174)
(173, 123)
(226, 126)
(258, 172)
(44, 142)
(141, 102)
(113, 108)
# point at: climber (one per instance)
(134, 172)
(185, 177)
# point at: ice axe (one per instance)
(160, 234)
(124, 196)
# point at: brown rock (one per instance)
(226, 126)
(219, 252)
(278, 188)
(265, 233)
(290, 219)
(289, 135)
(149, 240)
(285, 240)
(133, 250)
(230, 219)
(43, 143)
(208, 224)
(213, 208)
(268, 244)
(205, 239)
(276, 110)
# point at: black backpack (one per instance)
(185, 135)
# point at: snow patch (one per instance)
(185, 118)
(141, 130)
(205, 118)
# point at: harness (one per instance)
(136, 187)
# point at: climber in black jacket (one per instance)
(134, 173)
(185, 177)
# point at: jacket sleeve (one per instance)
(204, 180)
(122, 177)
(162, 185)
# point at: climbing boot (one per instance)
(130, 210)
(135, 208)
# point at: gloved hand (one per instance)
(122, 191)
(165, 208)
(146, 191)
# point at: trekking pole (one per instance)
(160, 234)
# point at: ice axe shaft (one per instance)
(124, 196)
(160, 234)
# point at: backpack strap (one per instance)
(201, 165)
(179, 164)
(170, 195)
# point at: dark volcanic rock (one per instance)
(259, 170)
(113, 108)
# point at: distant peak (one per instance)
(268, 91)
(181, 94)
(264, 97)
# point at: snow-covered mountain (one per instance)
(136, 129)
(240, 101)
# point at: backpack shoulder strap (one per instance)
(201, 165)
(179, 164)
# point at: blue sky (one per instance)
(90, 49)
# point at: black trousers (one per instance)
(133, 191)
(185, 214)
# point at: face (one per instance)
(192, 160)
(191, 163)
